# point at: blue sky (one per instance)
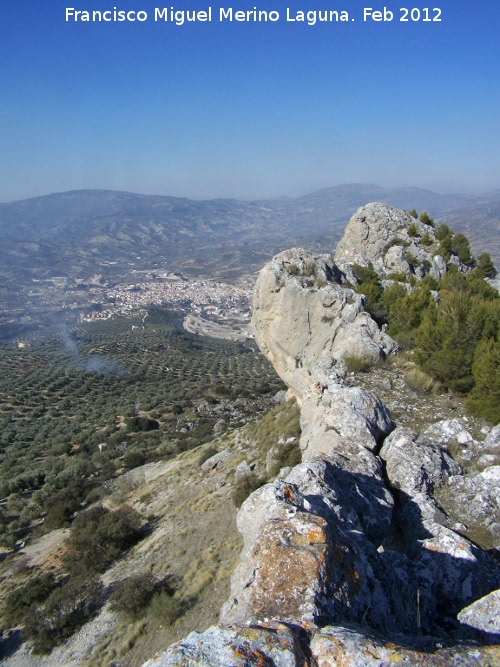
(247, 110)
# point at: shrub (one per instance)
(426, 239)
(485, 265)
(131, 596)
(420, 381)
(165, 607)
(66, 609)
(461, 248)
(30, 594)
(399, 276)
(412, 260)
(244, 487)
(447, 338)
(134, 459)
(484, 399)
(426, 220)
(356, 364)
(365, 274)
(98, 537)
(289, 456)
(141, 423)
(413, 213)
(412, 230)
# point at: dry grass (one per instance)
(116, 645)
(417, 380)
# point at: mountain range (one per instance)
(82, 233)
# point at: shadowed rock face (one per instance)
(349, 542)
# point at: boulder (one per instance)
(475, 499)
(483, 614)
(245, 646)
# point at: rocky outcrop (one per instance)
(283, 645)
(348, 558)
(306, 321)
(378, 234)
(303, 314)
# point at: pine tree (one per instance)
(485, 265)
(484, 399)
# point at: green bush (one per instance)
(443, 231)
(461, 248)
(426, 220)
(66, 609)
(426, 239)
(141, 423)
(412, 230)
(447, 338)
(485, 265)
(97, 539)
(26, 596)
(399, 276)
(134, 459)
(132, 595)
(484, 399)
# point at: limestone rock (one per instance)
(285, 645)
(348, 647)
(448, 432)
(416, 466)
(492, 441)
(266, 644)
(475, 498)
(296, 566)
(483, 614)
(345, 419)
(214, 460)
(378, 234)
(305, 323)
(302, 315)
(414, 463)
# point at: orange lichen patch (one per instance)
(390, 645)
(316, 535)
(289, 571)
(289, 494)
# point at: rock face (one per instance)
(282, 645)
(349, 549)
(306, 322)
(378, 233)
(302, 315)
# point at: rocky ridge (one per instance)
(348, 558)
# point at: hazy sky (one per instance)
(248, 110)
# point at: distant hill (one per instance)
(84, 232)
